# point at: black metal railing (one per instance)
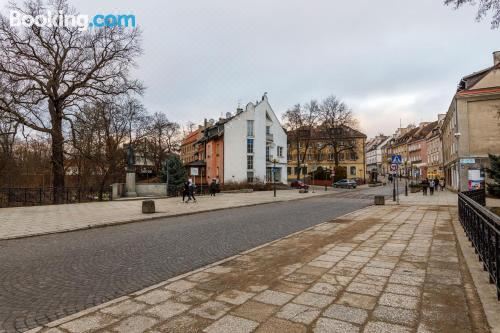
(29, 196)
(483, 230)
(478, 196)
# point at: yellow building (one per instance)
(318, 151)
(471, 129)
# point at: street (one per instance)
(48, 277)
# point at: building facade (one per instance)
(374, 155)
(248, 146)
(435, 151)
(471, 128)
(321, 154)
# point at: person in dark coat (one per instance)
(192, 188)
(213, 188)
(185, 192)
(425, 186)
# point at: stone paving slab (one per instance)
(275, 288)
(17, 222)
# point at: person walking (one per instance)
(185, 192)
(192, 189)
(436, 184)
(441, 184)
(425, 185)
(213, 188)
(431, 186)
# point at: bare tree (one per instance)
(484, 7)
(336, 120)
(48, 72)
(163, 137)
(299, 123)
(99, 134)
(8, 132)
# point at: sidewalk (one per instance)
(380, 269)
(39, 220)
(439, 198)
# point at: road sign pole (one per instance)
(394, 188)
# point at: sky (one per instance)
(391, 61)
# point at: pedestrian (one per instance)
(213, 188)
(425, 185)
(436, 184)
(441, 184)
(185, 192)
(431, 186)
(192, 188)
(390, 178)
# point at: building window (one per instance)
(330, 157)
(289, 170)
(268, 154)
(353, 171)
(280, 151)
(250, 128)
(268, 129)
(250, 177)
(353, 156)
(341, 156)
(217, 150)
(250, 162)
(304, 170)
(309, 157)
(250, 146)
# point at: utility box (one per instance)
(379, 200)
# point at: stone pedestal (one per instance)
(148, 207)
(130, 185)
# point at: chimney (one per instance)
(496, 58)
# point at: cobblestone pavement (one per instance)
(25, 221)
(379, 269)
(48, 277)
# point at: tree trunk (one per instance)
(57, 159)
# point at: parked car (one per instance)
(299, 184)
(345, 183)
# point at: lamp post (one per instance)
(274, 180)
(406, 180)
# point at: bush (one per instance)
(257, 186)
(494, 173)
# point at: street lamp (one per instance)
(274, 175)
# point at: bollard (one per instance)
(148, 207)
(379, 200)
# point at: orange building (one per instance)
(213, 144)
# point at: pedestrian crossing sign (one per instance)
(396, 159)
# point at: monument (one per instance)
(130, 179)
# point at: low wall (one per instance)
(142, 190)
(156, 189)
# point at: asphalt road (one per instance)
(48, 277)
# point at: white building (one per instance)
(374, 154)
(253, 143)
(253, 139)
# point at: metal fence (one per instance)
(483, 230)
(16, 197)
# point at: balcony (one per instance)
(269, 137)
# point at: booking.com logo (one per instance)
(80, 21)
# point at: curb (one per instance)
(82, 313)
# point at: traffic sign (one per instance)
(394, 168)
(396, 159)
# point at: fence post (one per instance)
(40, 195)
(25, 196)
(497, 240)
